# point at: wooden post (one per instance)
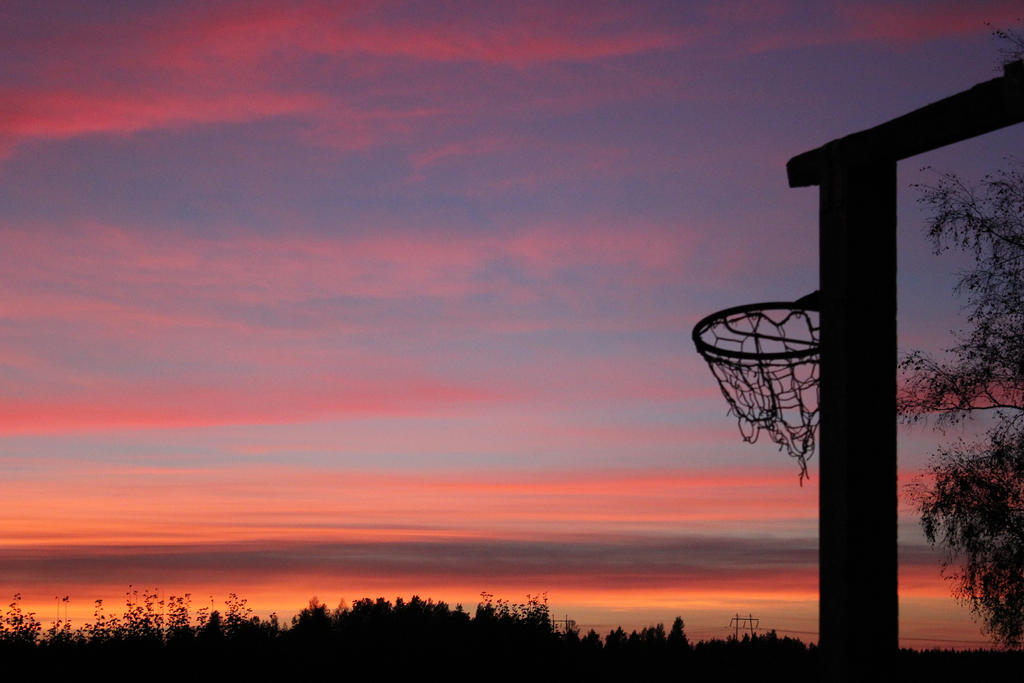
(857, 484)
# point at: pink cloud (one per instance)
(235, 63)
(524, 34)
(243, 62)
(203, 322)
(59, 114)
(155, 302)
(104, 405)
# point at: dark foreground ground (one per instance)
(718, 661)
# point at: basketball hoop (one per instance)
(765, 358)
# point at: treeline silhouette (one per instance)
(501, 639)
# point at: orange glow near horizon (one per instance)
(132, 504)
(926, 620)
(140, 521)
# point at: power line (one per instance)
(792, 630)
(902, 637)
(950, 640)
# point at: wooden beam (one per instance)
(984, 108)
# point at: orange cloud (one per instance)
(100, 504)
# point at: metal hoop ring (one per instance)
(706, 349)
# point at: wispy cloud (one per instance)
(261, 502)
(236, 62)
(215, 312)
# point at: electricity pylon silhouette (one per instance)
(752, 623)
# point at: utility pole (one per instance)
(566, 624)
(751, 622)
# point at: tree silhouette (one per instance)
(19, 628)
(677, 636)
(972, 507)
(313, 623)
(376, 638)
(212, 632)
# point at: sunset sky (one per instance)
(386, 298)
